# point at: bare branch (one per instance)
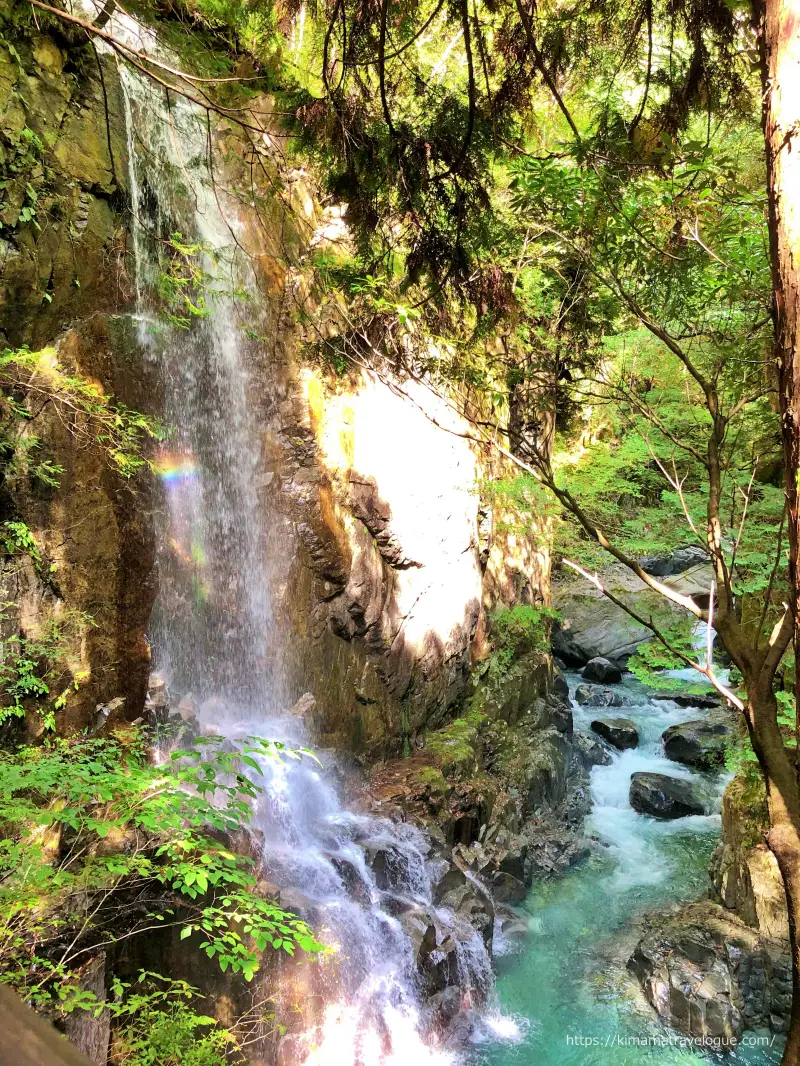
(747, 496)
(677, 485)
(707, 670)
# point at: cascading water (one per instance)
(580, 1012)
(221, 554)
(362, 882)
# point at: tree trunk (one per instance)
(783, 836)
(783, 840)
(784, 843)
(779, 26)
(780, 59)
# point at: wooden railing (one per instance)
(28, 1040)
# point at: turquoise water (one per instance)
(563, 994)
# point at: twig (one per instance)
(744, 516)
(707, 671)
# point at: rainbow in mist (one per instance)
(174, 469)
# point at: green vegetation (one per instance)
(455, 745)
(157, 1025)
(39, 669)
(31, 381)
(187, 281)
(20, 168)
(37, 673)
(567, 221)
(93, 826)
(432, 781)
(183, 280)
(17, 538)
(522, 629)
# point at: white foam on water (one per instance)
(634, 837)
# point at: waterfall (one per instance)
(364, 883)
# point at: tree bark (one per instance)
(778, 23)
(783, 836)
(780, 59)
(784, 843)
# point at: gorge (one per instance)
(251, 491)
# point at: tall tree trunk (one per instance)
(784, 843)
(780, 55)
(779, 27)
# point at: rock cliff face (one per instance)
(744, 874)
(397, 563)
(63, 282)
(93, 582)
(63, 164)
(594, 626)
(721, 966)
(711, 976)
(393, 560)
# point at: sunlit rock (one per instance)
(700, 744)
(602, 671)
(591, 751)
(709, 975)
(595, 696)
(508, 889)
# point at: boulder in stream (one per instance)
(700, 744)
(512, 926)
(305, 707)
(433, 947)
(591, 751)
(559, 686)
(595, 696)
(467, 898)
(709, 700)
(602, 670)
(157, 693)
(619, 732)
(677, 562)
(663, 797)
(508, 889)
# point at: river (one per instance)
(565, 986)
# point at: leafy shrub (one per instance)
(88, 413)
(182, 281)
(651, 660)
(36, 673)
(91, 825)
(522, 629)
(157, 1025)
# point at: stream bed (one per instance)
(563, 991)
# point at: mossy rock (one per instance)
(455, 745)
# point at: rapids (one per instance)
(565, 985)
